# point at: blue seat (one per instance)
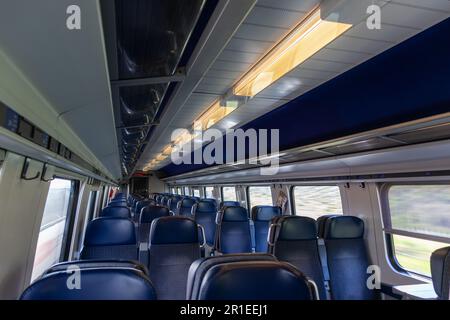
(261, 216)
(321, 224)
(229, 204)
(199, 268)
(109, 283)
(185, 207)
(96, 264)
(255, 280)
(204, 213)
(347, 259)
(139, 205)
(116, 212)
(233, 231)
(110, 238)
(173, 246)
(440, 272)
(148, 214)
(118, 204)
(173, 203)
(165, 200)
(294, 239)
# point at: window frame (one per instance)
(71, 217)
(389, 232)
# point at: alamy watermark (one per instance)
(257, 147)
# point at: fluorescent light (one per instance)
(304, 41)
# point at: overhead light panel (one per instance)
(304, 41)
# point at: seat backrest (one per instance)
(110, 238)
(173, 246)
(204, 213)
(294, 240)
(165, 200)
(140, 204)
(229, 204)
(96, 284)
(185, 207)
(233, 231)
(148, 214)
(255, 280)
(173, 203)
(261, 216)
(199, 268)
(96, 264)
(116, 212)
(440, 272)
(117, 204)
(347, 259)
(321, 224)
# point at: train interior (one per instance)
(224, 150)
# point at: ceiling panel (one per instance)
(271, 19)
(260, 33)
(409, 16)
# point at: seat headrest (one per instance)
(117, 204)
(206, 206)
(110, 231)
(297, 228)
(96, 284)
(344, 227)
(150, 213)
(234, 214)
(97, 264)
(116, 212)
(229, 204)
(173, 230)
(321, 224)
(187, 202)
(440, 272)
(265, 213)
(254, 280)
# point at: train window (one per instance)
(209, 192)
(418, 224)
(186, 191)
(316, 201)
(259, 196)
(196, 192)
(229, 194)
(172, 190)
(53, 226)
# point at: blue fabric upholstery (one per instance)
(229, 204)
(347, 259)
(117, 204)
(185, 206)
(173, 203)
(233, 231)
(199, 268)
(171, 230)
(321, 224)
(261, 216)
(139, 205)
(204, 213)
(116, 212)
(96, 284)
(96, 264)
(173, 247)
(250, 280)
(110, 238)
(148, 214)
(295, 241)
(440, 272)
